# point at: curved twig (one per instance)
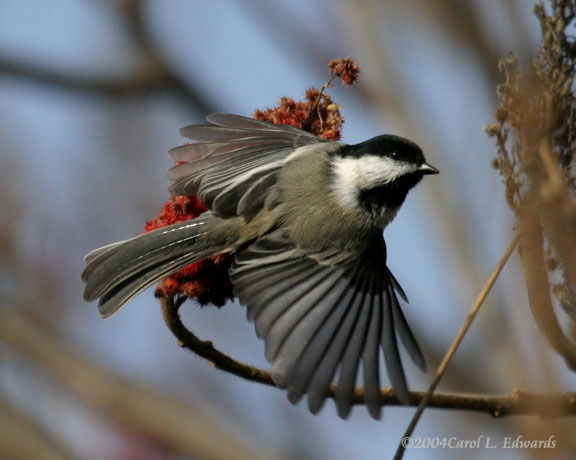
(497, 406)
(205, 349)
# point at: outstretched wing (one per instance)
(234, 166)
(319, 321)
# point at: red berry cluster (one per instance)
(206, 281)
(317, 113)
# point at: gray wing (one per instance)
(323, 323)
(234, 166)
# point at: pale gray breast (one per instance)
(312, 212)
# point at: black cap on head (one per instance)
(388, 145)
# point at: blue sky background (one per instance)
(82, 171)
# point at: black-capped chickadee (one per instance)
(303, 219)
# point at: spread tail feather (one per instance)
(117, 272)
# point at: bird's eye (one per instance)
(395, 155)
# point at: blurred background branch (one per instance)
(22, 437)
(134, 86)
(165, 421)
(153, 75)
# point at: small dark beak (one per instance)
(425, 168)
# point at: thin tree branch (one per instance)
(456, 343)
(496, 406)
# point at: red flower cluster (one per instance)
(207, 281)
(317, 114)
(346, 69)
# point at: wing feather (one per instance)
(237, 121)
(295, 315)
(310, 281)
(320, 384)
(294, 344)
(224, 133)
(406, 336)
(320, 321)
(220, 150)
(371, 356)
(100, 253)
(351, 360)
(391, 352)
(231, 155)
(397, 286)
(254, 285)
(258, 195)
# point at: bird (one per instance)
(302, 219)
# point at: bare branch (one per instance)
(205, 349)
(457, 340)
(496, 406)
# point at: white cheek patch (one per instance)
(354, 174)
